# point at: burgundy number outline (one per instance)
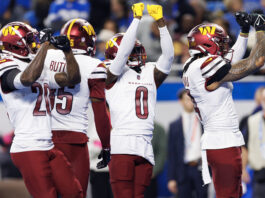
(69, 102)
(36, 110)
(139, 90)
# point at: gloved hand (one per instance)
(105, 155)
(155, 11)
(61, 42)
(243, 19)
(257, 21)
(45, 35)
(137, 9)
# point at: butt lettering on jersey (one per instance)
(57, 66)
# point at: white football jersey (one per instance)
(28, 110)
(215, 109)
(132, 101)
(70, 104)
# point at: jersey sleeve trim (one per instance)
(209, 69)
(99, 72)
(7, 64)
(208, 61)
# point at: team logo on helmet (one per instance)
(208, 39)
(137, 57)
(19, 39)
(207, 30)
(81, 35)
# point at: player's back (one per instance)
(28, 110)
(132, 101)
(215, 108)
(70, 104)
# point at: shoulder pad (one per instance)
(7, 64)
(107, 62)
(99, 72)
(211, 65)
(208, 60)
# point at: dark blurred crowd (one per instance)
(111, 16)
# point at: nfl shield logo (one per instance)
(138, 77)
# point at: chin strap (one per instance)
(136, 68)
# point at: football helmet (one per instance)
(19, 40)
(137, 57)
(208, 38)
(81, 35)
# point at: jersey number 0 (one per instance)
(141, 104)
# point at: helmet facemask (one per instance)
(19, 40)
(137, 58)
(33, 42)
(81, 35)
(209, 39)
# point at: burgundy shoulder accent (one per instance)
(102, 65)
(5, 60)
(208, 60)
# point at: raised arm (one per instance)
(72, 75)
(35, 67)
(255, 60)
(247, 66)
(126, 45)
(240, 47)
(164, 62)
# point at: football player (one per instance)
(70, 102)
(131, 94)
(207, 76)
(25, 91)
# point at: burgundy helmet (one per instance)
(137, 57)
(81, 35)
(208, 38)
(19, 40)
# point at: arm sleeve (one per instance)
(239, 49)
(10, 80)
(125, 48)
(164, 62)
(102, 123)
(97, 88)
(96, 82)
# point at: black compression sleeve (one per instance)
(219, 75)
(7, 80)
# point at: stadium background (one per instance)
(111, 16)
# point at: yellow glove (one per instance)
(155, 11)
(137, 9)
